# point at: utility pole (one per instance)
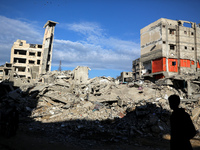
(59, 68)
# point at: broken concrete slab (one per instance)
(38, 88)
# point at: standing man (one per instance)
(182, 128)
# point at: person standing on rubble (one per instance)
(182, 128)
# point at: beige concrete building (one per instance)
(126, 77)
(137, 69)
(31, 60)
(170, 48)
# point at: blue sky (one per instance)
(101, 34)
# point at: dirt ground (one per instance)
(29, 141)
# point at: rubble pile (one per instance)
(99, 108)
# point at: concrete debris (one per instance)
(99, 106)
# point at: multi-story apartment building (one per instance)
(170, 47)
(31, 60)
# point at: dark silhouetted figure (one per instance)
(182, 128)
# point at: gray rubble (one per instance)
(99, 106)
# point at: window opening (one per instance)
(19, 60)
(171, 31)
(39, 54)
(38, 62)
(32, 45)
(39, 46)
(21, 69)
(31, 62)
(21, 44)
(20, 52)
(172, 47)
(31, 54)
(173, 63)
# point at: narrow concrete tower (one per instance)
(47, 46)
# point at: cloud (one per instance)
(13, 29)
(95, 50)
(86, 28)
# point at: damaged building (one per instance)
(137, 69)
(5, 71)
(126, 77)
(168, 48)
(31, 60)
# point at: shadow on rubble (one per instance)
(143, 126)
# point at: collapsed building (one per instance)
(59, 103)
(31, 60)
(168, 48)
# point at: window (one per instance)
(39, 46)
(38, 62)
(19, 60)
(31, 54)
(21, 44)
(172, 47)
(39, 54)
(192, 33)
(21, 69)
(192, 48)
(171, 31)
(185, 47)
(32, 45)
(20, 52)
(31, 62)
(126, 73)
(8, 65)
(173, 63)
(163, 26)
(164, 42)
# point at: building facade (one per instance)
(137, 69)
(169, 48)
(126, 77)
(6, 71)
(31, 60)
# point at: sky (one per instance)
(101, 34)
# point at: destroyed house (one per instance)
(126, 77)
(169, 48)
(5, 71)
(31, 60)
